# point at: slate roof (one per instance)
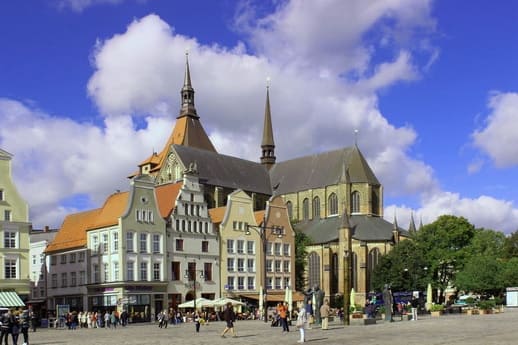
(365, 228)
(323, 169)
(226, 171)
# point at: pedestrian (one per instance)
(25, 323)
(229, 316)
(324, 314)
(197, 322)
(415, 304)
(283, 314)
(302, 324)
(309, 312)
(14, 327)
(34, 320)
(4, 326)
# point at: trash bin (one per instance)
(44, 323)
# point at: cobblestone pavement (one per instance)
(447, 329)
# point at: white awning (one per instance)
(10, 299)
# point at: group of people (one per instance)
(13, 323)
(108, 319)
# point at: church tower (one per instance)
(267, 145)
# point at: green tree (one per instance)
(511, 246)
(301, 242)
(486, 243)
(510, 273)
(481, 274)
(444, 243)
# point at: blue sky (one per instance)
(89, 88)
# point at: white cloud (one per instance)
(498, 139)
(81, 5)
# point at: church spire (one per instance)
(187, 92)
(411, 227)
(267, 145)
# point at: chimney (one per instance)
(46, 229)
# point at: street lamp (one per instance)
(261, 230)
(190, 275)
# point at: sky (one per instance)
(428, 90)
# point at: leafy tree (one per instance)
(481, 274)
(301, 242)
(404, 268)
(487, 243)
(509, 273)
(444, 243)
(510, 249)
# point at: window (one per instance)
(72, 258)
(355, 202)
(316, 207)
(240, 283)
(115, 241)
(286, 282)
(175, 270)
(106, 272)
(204, 246)
(250, 247)
(278, 247)
(73, 278)
(207, 271)
(1, 194)
(130, 270)
(250, 265)
(129, 242)
(156, 271)
(286, 266)
(9, 239)
(269, 248)
(333, 204)
(240, 246)
(81, 257)
(179, 245)
(105, 243)
(278, 265)
(251, 283)
(64, 279)
(156, 243)
(240, 265)
(305, 209)
(82, 277)
(313, 269)
(269, 283)
(289, 207)
(286, 249)
(143, 271)
(278, 283)
(54, 280)
(95, 244)
(63, 259)
(269, 267)
(230, 283)
(10, 268)
(230, 264)
(7, 215)
(96, 273)
(115, 271)
(34, 259)
(143, 243)
(53, 260)
(230, 246)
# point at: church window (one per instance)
(373, 260)
(313, 269)
(355, 202)
(289, 206)
(334, 274)
(333, 204)
(305, 209)
(316, 207)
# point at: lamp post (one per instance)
(262, 231)
(190, 275)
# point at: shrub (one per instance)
(486, 305)
(437, 307)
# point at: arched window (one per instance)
(333, 204)
(305, 209)
(289, 206)
(373, 260)
(313, 269)
(355, 202)
(334, 274)
(316, 207)
(354, 272)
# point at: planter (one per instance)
(485, 311)
(472, 312)
(436, 313)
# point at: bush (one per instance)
(486, 305)
(437, 307)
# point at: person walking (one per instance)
(302, 324)
(324, 314)
(196, 319)
(25, 324)
(415, 304)
(4, 326)
(229, 316)
(283, 314)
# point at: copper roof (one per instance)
(72, 233)
(166, 197)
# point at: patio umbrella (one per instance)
(224, 301)
(200, 303)
(261, 302)
(286, 293)
(428, 297)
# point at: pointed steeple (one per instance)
(187, 93)
(346, 224)
(395, 227)
(411, 227)
(267, 145)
